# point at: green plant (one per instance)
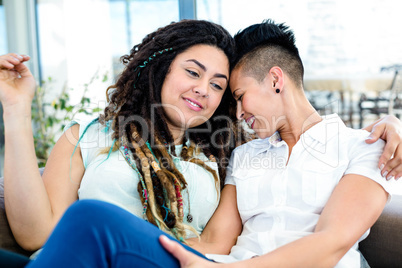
(49, 118)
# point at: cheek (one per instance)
(169, 87)
(247, 104)
(214, 103)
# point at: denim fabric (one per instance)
(98, 234)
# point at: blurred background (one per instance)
(351, 50)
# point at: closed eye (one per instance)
(216, 86)
(192, 73)
(240, 97)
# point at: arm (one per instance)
(33, 205)
(222, 230)
(345, 218)
(389, 129)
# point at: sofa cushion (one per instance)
(383, 247)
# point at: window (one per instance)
(3, 34)
(336, 38)
(76, 42)
(3, 50)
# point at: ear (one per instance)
(276, 77)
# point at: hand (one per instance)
(16, 81)
(185, 257)
(389, 129)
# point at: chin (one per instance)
(263, 135)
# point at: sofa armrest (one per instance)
(383, 246)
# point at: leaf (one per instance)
(69, 108)
(62, 104)
(50, 121)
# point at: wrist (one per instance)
(16, 119)
(19, 109)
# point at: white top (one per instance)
(114, 181)
(279, 204)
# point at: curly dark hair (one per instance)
(134, 113)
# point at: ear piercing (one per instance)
(277, 90)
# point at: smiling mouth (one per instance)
(250, 121)
(193, 104)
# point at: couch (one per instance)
(382, 248)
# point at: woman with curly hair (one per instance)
(159, 150)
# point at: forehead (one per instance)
(209, 55)
(237, 79)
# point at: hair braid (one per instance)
(145, 167)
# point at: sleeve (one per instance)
(364, 161)
(229, 171)
(83, 139)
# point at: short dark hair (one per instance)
(265, 45)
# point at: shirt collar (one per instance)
(263, 145)
(325, 130)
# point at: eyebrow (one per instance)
(202, 66)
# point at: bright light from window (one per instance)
(336, 38)
(3, 34)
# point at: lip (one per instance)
(250, 121)
(191, 106)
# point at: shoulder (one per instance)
(84, 124)
(356, 140)
(90, 129)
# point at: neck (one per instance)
(177, 135)
(300, 116)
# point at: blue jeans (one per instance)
(98, 234)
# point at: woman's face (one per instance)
(257, 103)
(194, 86)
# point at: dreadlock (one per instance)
(135, 112)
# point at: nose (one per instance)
(239, 111)
(202, 90)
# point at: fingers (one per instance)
(392, 168)
(171, 246)
(389, 129)
(390, 161)
(185, 257)
(392, 143)
(376, 133)
(12, 60)
(23, 70)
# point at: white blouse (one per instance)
(281, 203)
